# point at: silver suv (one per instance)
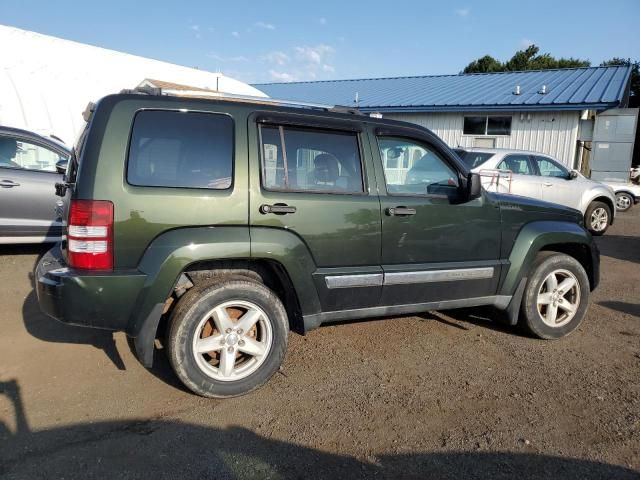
(30, 166)
(536, 175)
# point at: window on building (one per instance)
(303, 159)
(181, 149)
(486, 125)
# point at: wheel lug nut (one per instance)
(241, 342)
(240, 331)
(228, 330)
(222, 342)
(230, 349)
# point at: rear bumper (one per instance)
(93, 299)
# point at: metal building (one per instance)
(547, 111)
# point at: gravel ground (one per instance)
(433, 396)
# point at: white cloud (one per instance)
(222, 58)
(304, 62)
(525, 42)
(314, 55)
(235, 34)
(277, 57)
(196, 31)
(282, 76)
(322, 20)
(266, 26)
(462, 12)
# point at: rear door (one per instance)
(27, 190)
(314, 179)
(435, 245)
(524, 180)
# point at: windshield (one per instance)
(473, 159)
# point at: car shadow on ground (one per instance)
(621, 247)
(632, 309)
(159, 448)
(47, 329)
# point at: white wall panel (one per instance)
(553, 133)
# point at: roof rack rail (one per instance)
(148, 90)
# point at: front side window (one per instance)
(486, 125)
(425, 172)
(518, 164)
(549, 168)
(17, 153)
(315, 160)
(181, 149)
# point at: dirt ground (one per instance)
(433, 396)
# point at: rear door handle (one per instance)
(548, 184)
(400, 211)
(8, 183)
(278, 209)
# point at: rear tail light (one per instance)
(90, 235)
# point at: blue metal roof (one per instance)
(566, 89)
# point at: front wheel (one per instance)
(227, 339)
(556, 296)
(624, 201)
(597, 218)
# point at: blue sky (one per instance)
(298, 40)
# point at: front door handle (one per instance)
(400, 211)
(548, 184)
(8, 183)
(278, 209)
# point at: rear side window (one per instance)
(473, 159)
(302, 159)
(181, 149)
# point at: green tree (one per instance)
(527, 59)
(635, 71)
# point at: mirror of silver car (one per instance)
(61, 165)
(474, 186)
(573, 174)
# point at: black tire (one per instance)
(624, 201)
(588, 220)
(531, 317)
(191, 311)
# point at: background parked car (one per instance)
(536, 175)
(627, 195)
(30, 166)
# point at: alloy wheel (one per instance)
(558, 298)
(599, 219)
(232, 340)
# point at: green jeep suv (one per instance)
(219, 224)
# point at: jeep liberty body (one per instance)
(218, 225)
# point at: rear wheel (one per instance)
(597, 218)
(624, 201)
(556, 296)
(227, 339)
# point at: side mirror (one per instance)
(474, 186)
(61, 165)
(573, 174)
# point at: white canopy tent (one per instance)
(46, 82)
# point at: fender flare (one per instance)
(173, 251)
(533, 238)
